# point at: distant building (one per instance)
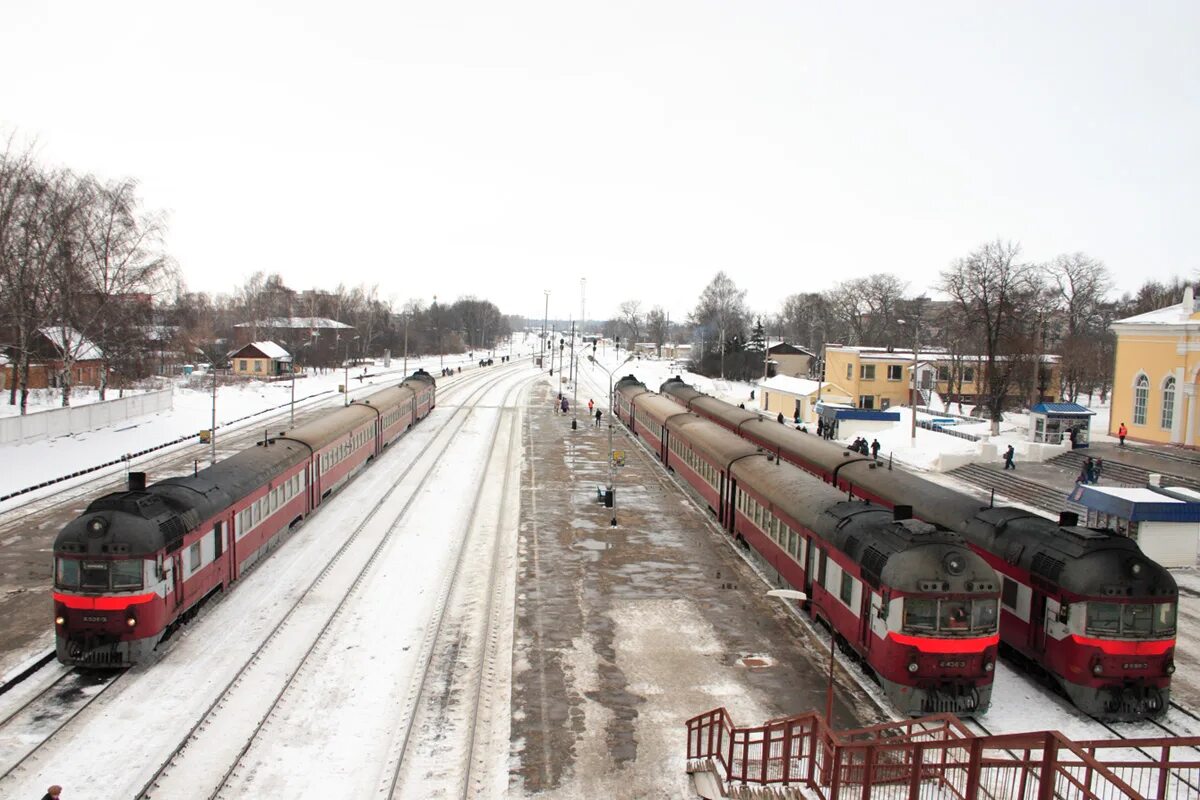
(790, 396)
(1155, 375)
(790, 360)
(314, 340)
(260, 360)
(47, 364)
(879, 377)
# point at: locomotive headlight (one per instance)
(131, 621)
(60, 620)
(1169, 668)
(1097, 668)
(989, 666)
(96, 526)
(912, 666)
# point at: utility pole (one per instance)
(212, 432)
(545, 323)
(405, 344)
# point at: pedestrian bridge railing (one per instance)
(936, 756)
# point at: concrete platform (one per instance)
(624, 633)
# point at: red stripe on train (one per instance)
(927, 644)
(103, 603)
(1120, 647)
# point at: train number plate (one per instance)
(952, 664)
(1134, 665)
(94, 618)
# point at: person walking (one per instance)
(796, 417)
(53, 793)
(875, 448)
(1122, 432)
(821, 427)
(591, 406)
(565, 405)
(1099, 470)
(598, 413)
(1008, 458)
(1089, 468)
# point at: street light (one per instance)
(916, 324)
(545, 323)
(346, 366)
(613, 521)
(792, 594)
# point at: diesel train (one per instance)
(1085, 606)
(913, 603)
(137, 562)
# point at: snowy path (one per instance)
(113, 748)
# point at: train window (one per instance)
(983, 615)
(93, 574)
(68, 572)
(1103, 618)
(218, 542)
(1136, 620)
(920, 614)
(194, 557)
(847, 592)
(126, 574)
(1009, 593)
(1164, 618)
(954, 615)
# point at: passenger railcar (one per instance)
(1084, 606)
(909, 601)
(137, 562)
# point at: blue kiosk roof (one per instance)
(1062, 410)
(1135, 504)
(829, 411)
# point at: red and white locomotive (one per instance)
(137, 562)
(1085, 606)
(913, 603)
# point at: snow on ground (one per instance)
(116, 742)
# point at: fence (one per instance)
(79, 419)
(935, 757)
(933, 426)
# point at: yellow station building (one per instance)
(1154, 380)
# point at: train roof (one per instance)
(145, 521)
(711, 440)
(1081, 560)
(677, 388)
(391, 396)
(420, 376)
(629, 384)
(828, 456)
(331, 427)
(658, 407)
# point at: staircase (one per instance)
(1007, 484)
(1119, 472)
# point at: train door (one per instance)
(1037, 621)
(722, 506)
(809, 564)
(177, 578)
(730, 522)
(864, 616)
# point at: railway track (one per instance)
(207, 760)
(60, 743)
(32, 723)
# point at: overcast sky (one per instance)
(504, 148)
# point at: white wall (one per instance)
(1172, 544)
(79, 419)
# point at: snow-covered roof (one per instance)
(797, 386)
(268, 349)
(933, 356)
(1171, 315)
(295, 323)
(64, 338)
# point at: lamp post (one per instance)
(346, 366)
(437, 326)
(792, 594)
(916, 326)
(575, 384)
(405, 343)
(212, 432)
(613, 521)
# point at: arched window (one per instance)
(1141, 393)
(1168, 409)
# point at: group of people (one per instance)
(563, 406)
(1091, 470)
(448, 371)
(825, 430)
(860, 446)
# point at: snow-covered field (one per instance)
(50, 399)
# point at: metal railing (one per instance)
(937, 757)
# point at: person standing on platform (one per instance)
(875, 448)
(598, 415)
(1122, 432)
(1008, 458)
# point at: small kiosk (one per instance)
(845, 421)
(1165, 526)
(1054, 423)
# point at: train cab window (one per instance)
(1164, 618)
(983, 615)
(68, 573)
(126, 574)
(94, 575)
(920, 615)
(1136, 620)
(1103, 618)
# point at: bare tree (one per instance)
(656, 326)
(721, 310)
(988, 287)
(629, 313)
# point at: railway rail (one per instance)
(218, 739)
